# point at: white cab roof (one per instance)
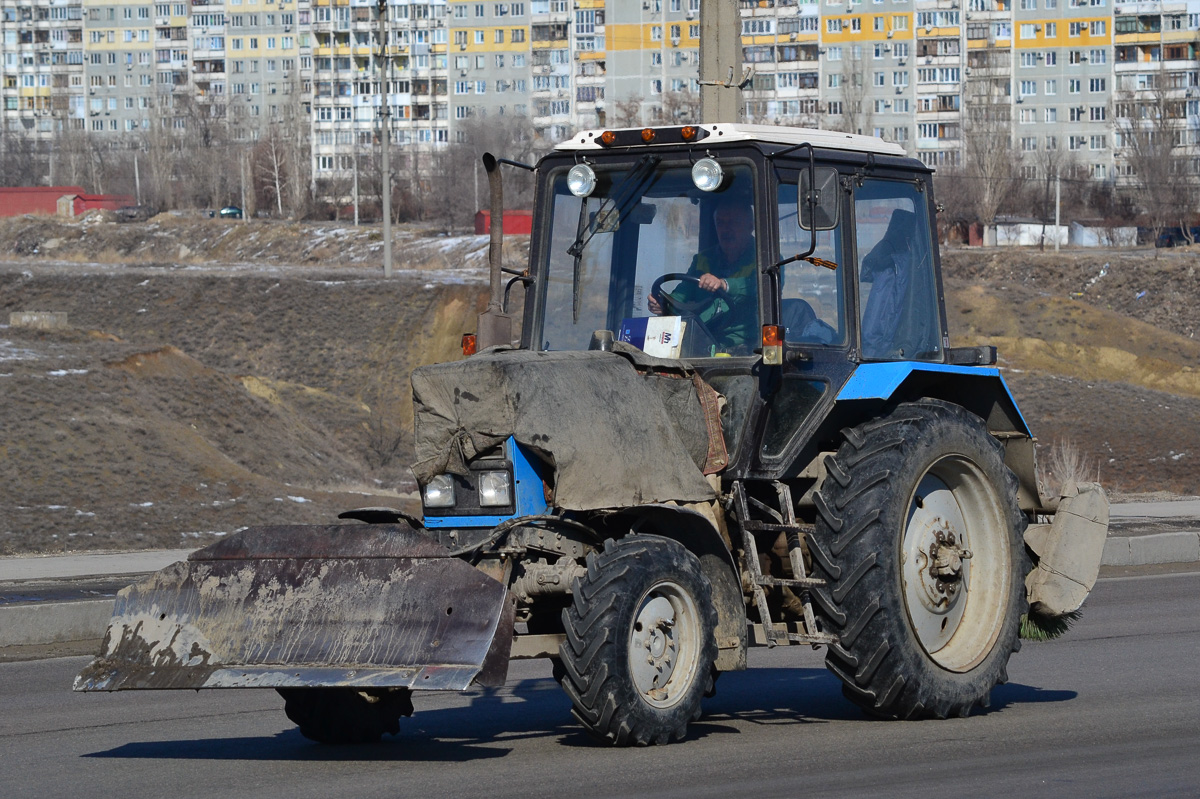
(724, 132)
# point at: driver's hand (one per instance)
(654, 306)
(710, 282)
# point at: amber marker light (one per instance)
(648, 135)
(772, 345)
(468, 343)
(607, 138)
(689, 132)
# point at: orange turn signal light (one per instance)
(689, 132)
(607, 138)
(468, 343)
(648, 135)
(772, 344)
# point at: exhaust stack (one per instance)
(495, 326)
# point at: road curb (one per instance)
(54, 622)
(1144, 550)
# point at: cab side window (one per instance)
(897, 292)
(812, 290)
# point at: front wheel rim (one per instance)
(664, 645)
(956, 564)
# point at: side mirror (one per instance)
(824, 192)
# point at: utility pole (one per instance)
(1057, 206)
(137, 180)
(720, 61)
(385, 138)
(242, 171)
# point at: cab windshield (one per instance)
(608, 254)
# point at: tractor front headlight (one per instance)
(439, 492)
(581, 180)
(495, 488)
(707, 174)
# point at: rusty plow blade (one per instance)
(309, 606)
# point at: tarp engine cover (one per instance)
(360, 605)
(619, 428)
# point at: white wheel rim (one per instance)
(664, 644)
(956, 564)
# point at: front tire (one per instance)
(640, 646)
(920, 540)
(346, 715)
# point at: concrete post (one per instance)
(385, 138)
(720, 61)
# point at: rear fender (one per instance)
(700, 536)
(981, 390)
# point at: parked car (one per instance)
(231, 212)
(134, 213)
(1174, 237)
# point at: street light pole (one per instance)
(385, 138)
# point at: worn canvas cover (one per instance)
(619, 428)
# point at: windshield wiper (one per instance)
(615, 202)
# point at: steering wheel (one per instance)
(691, 307)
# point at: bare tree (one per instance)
(1151, 126)
(458, 166)
(1051, 163)
(628, 112)
(162, 155)
(680, 107)
(857, 116)
(271, 159)
(990, 167)
(17, 165)
(202, 134)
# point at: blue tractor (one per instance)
(731, 416)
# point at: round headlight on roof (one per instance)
(707, 174)
(581, 180)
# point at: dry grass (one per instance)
(1065, 463)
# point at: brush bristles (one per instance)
(1039, 626)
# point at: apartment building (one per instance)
(41, 66)
(1061, 79)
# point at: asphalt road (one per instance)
(1112, 709)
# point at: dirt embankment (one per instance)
(188, 399)
(184, 403)
(1098, 349)
(175, 240)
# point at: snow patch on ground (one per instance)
(11, 352)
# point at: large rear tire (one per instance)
(640, 645)
(920, 540)
(346, 715)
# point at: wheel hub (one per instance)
(946, 561)
(936, 563)
(662, 647)
(940, 565)
(654, 648)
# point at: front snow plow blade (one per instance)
(363, 606)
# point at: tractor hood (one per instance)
(618, 428)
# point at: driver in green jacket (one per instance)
(727, 271)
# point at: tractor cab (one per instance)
(736, 248)
(823, 239)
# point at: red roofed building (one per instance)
(65, 200)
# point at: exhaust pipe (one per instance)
(495, 326)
